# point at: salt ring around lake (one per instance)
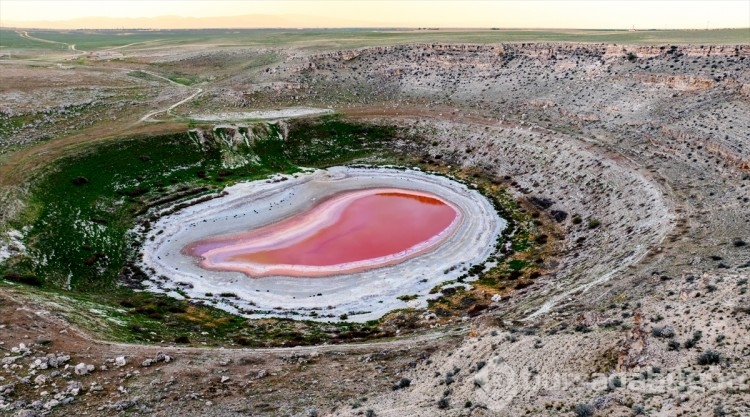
(364, 288)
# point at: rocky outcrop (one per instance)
(235, 142)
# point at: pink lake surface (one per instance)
(351, 231)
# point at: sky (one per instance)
(592, 14)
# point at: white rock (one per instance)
(51, 404)
(120, 361)
(81, 369)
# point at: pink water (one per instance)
(350, 231)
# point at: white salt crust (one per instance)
(363, 296)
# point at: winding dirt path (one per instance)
(71, 46)
(148, 116)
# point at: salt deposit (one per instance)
(363, 295)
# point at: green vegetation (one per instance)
(89, 202)
(89, 40)
(82, 219)
(82, 213)
(85, 207)
(11, 39)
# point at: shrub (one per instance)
(28, 279)
(709, 357)
(443, 403)
(402, 383)
(663, 331)
(242, 341)
(582, 328)
(127, 303)
(583, 410)
(181, 339)
(632, 57)
(79, 181)
(638, 410)
(594, 223)
(558, 215)
(228, 295)
(673, 345)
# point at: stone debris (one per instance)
(160, 357)
(122, 405)
(83, 369)
(120, 361)
(22, 349)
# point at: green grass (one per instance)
(81, 212)
(11, 39)
(354, 38)
(80, 232)
(86, 206)
(126, 316)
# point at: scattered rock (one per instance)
(120, 361)
(74, 388)
(161, 357)
(122, 405)
(83, 369)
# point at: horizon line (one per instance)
(424, 28)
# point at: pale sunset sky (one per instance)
(365, 13)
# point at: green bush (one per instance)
(27, 279)
(583, 410)
(663, 331)
(709, 357)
